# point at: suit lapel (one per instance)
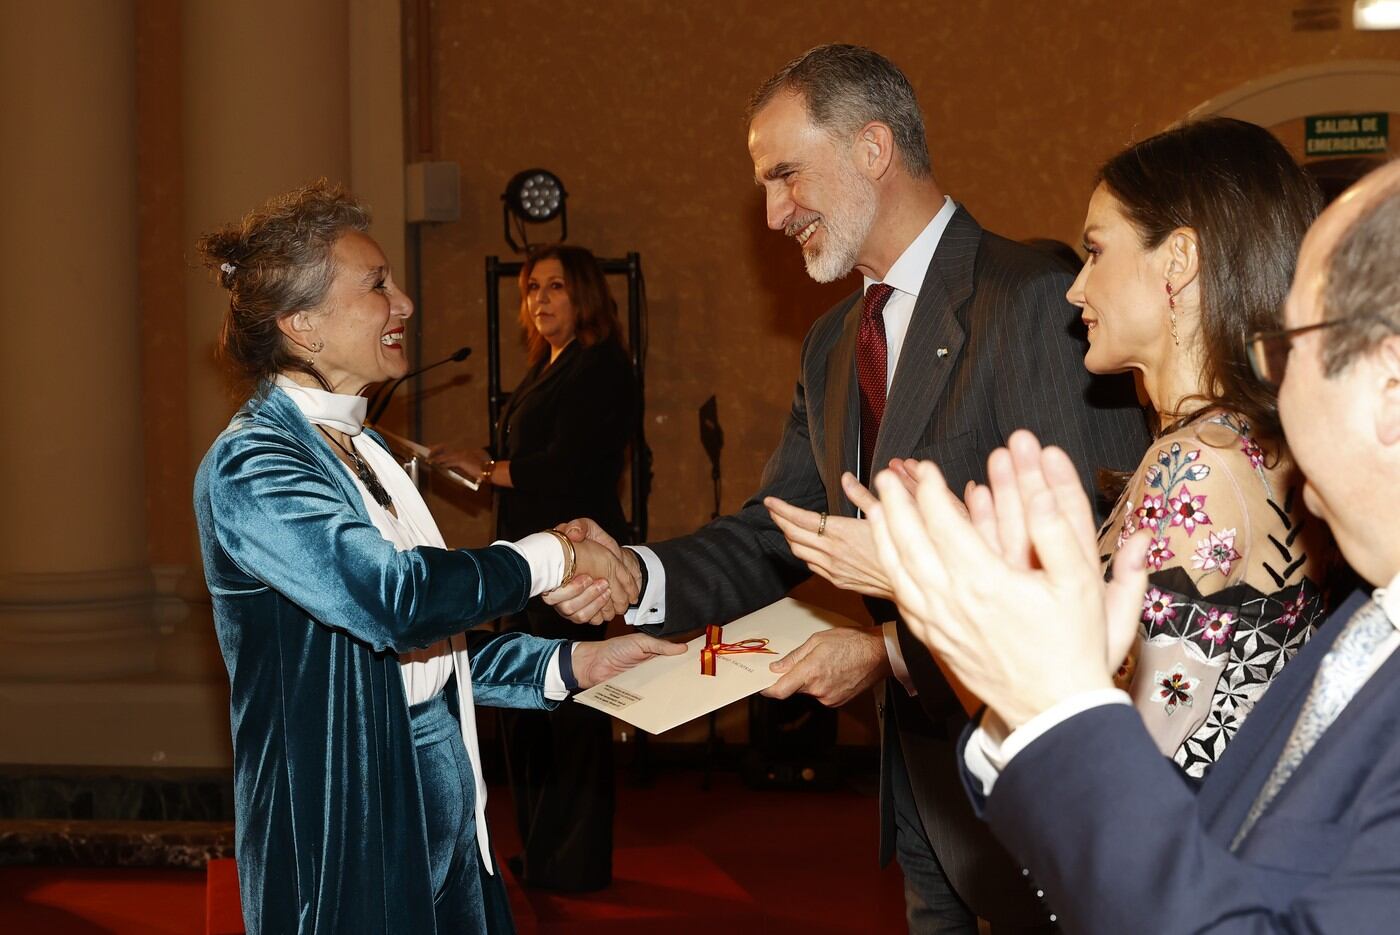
(1235, 781)
(841, 408)
(542, 374)
(933, 342)
(1357, 720)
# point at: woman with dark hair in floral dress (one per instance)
(1183, 264)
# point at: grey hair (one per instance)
(1361, 291)
(844, 87)
(277, 261)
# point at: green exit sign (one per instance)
(1347, 134)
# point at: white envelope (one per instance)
(667, 691)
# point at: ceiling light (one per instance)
(1376, 14)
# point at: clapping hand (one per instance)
(607, 579)
(840, 548)
(1009, 594)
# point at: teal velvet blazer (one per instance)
(311, 604)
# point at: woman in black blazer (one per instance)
(560, 448)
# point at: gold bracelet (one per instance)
(570, 558)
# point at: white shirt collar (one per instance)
(1389, 599)
(337, 410)
(908, 272)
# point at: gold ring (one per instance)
(821, 526)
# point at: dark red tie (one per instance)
(872, 361)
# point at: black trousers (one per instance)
(560, 765)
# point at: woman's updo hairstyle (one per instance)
(275, 262)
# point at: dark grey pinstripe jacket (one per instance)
(992, 346)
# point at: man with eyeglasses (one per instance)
(1297, 828)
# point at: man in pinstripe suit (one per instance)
(976, 340)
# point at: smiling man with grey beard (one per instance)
(957, 338)
(844, 226)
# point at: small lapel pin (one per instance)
(942, 352)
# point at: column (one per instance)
(76, 589)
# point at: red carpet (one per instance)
(806, 861)
(87, 901)
(730, 860)
(222, 913)
(671, 888)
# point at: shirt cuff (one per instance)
(651, 606)
(544, 553)
(986, 759)
(555, 688)
(897, 666)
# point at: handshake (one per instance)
(607, 578)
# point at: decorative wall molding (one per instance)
(1331, 87)
(77, 626)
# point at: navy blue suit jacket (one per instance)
(1120, 842)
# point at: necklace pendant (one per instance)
(371, 482)
(363, 471)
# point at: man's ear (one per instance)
(298, 328)
(874, 149)
(1386, 361)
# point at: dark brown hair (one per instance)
(588, 293)
(844, 87)
(1362, 291)
(1250, 204)
(275, 262)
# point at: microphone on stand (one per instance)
(380, 401)
(712, 440)
(412, 452)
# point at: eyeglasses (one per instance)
(1268, 350)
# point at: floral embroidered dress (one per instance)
(1232, 592)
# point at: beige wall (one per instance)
(638, 107)
(137, 125)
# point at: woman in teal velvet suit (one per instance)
(343, 620)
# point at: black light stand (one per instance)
(712, 440)
(631, 267)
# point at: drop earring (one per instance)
(1171, 303)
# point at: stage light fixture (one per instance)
(535, 196)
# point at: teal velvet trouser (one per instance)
(466, 898)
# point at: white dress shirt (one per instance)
(906, 277)
(426, 671)
(986, 759)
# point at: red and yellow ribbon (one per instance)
(715, 647)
